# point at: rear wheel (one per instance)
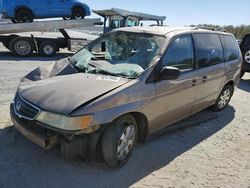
(78, 13)
(118, 141)
(47, 49)
(21, 46)
(246, 55)
(24, 16)
(14, 20)
(223, 99)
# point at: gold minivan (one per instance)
(123, 86)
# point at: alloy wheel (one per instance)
(224, 98)
(247, 56)
(126, 142)
(48, 50)
(22, 48)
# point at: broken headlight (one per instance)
(65, 122)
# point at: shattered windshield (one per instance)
(121, 54)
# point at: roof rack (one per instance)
(211, 28)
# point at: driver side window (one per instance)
(180, 54)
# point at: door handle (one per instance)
(204, 78)
(194, 83)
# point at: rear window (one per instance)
(208, 49)
(231, 48)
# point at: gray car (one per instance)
(123, 86)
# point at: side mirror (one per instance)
(169, 73)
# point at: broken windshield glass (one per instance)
(119, 53)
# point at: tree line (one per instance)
(238, 31)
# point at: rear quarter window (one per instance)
(208, 49)
(230, 47)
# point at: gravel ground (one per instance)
(212, 154)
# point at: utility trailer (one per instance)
(26, 45)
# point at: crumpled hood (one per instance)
(63, 94)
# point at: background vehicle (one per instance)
(115, 18)
(46, 46)
(20, 11)
(133, 75)
(245, 49)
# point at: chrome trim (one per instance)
(21, 116)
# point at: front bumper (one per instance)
(30, 129)
(84, 145)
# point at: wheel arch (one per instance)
(230, 82)
(23, 7)
(78, 6)
(142, 123)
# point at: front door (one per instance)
(175, 98)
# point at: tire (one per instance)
(24, 16)
(78, 13)
(14, 20)
(47, 49)
(119, 140)
(246, 56)
(223, 99)
(67, 18)
(21, 46)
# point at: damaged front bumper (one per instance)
(72, 145)
(33, 132)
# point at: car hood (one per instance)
(64, 93)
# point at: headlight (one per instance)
(64, 122)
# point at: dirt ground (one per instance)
(212, 154)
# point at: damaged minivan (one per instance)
(123, 86)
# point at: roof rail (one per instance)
(211, 28)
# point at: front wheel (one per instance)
(223, 99)
(119, 140)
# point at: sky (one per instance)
(185, 12)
